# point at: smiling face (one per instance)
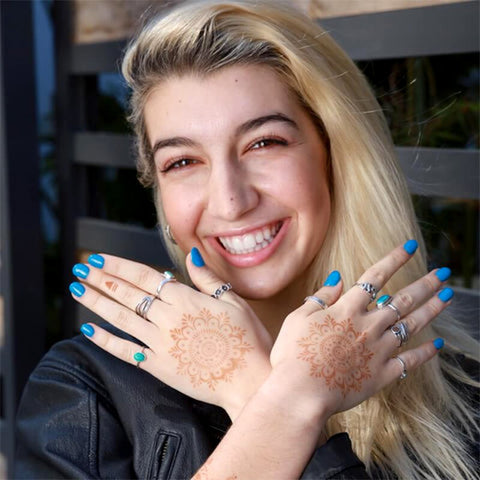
(241, 169)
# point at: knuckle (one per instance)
(122, 319)
(127, 294)
(144, 276)
(433, 308)
(411, 323)
(376, 276)
(405, 300)
(430, 284)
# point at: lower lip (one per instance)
(254, 258)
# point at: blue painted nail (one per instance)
(446, 294)
(332, 279)
(438, 342)
(443, 274)
(410, 246)
(197, 259)
(77, 289)
(96, 260)
(87, 330)
(80, 270)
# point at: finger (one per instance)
(422, 316)
(206, 280)
(411, 297)
(113, 312)
(412, 359)
(125, 350)
(379, 274)
(329, 293)
(141, 276)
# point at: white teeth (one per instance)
(251, 242)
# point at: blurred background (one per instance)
(67, 170)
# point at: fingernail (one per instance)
(443, 274)
(446, 294)
(438, 342)
(332, 279)
(96, 260)
(77, 289)
(197, 259)
(80, 270)
(410, 246)
(87, 330)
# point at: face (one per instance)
(242, 175)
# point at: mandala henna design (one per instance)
(337, 353)
(208, 348)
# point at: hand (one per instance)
(214, 350)
(337, 357)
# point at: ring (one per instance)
(386, 301)
(140, 357)
(144, 306)
(168, 277)
(404, 367)
(400, 330)
(369, 288)
(221, 290)
(315, 299)
(396, 310)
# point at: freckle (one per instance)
(236, 80)
(231, 199)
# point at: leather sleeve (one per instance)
(335, 459)
(62, 418)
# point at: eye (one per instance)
(179, 164)
(267, 142)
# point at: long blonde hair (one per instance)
(412, 429)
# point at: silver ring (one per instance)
(315, 299)
(168, 277)
(221, 290)
(404, 367)
(369, 288)
(384, 301)
(396, 310)
(144, 306)
(400, 330)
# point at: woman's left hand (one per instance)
(214, 350)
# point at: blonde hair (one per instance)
(412, 429)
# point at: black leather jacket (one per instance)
(86, 414)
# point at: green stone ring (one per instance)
(140, 357)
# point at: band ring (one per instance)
(168, 277)
(317, 300)
(396, 310)
(400, 330)
(369, 288)
(404, 367)
(144, 306)
(140, 356)
(221, 290)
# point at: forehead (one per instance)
(222, 99)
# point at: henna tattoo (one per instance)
(112, 286)
(337, 353)
(208, 348)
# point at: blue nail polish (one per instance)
(197, 259)
(443, 274)
(332, 279)
(410, 246)
(87, 330)
(96, 260)
(77, 289)
(446, 294)
(80, 270)
(438, 342)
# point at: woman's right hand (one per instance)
(339, 356)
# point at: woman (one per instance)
(272, 165)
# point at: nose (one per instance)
(232, 192)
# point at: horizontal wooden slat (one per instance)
(441, 172)
(414, 32)
(124, 240)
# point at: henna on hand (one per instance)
(209, 349)
(337, 353)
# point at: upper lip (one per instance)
(244, 230)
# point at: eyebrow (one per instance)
(241, 130)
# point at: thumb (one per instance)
(327, 294)
(205, 279)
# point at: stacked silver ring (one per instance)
(221, 290)
(400, 330)
(369, 288)
(168, 277)
(317, 300)
(144, 306)
(404, 368)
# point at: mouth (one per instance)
(250, 242)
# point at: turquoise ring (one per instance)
(384, 300)
(140, 357)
